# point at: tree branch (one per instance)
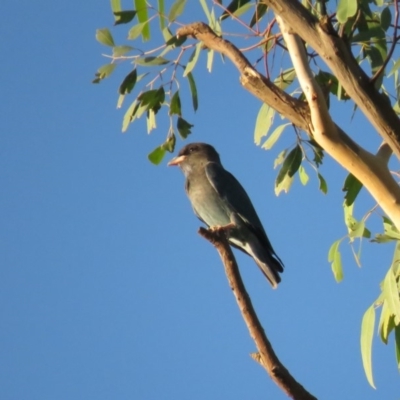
(334, 51)
(367, 168)
(268, 359)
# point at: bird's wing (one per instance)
(230, 189)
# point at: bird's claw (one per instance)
(218, 228)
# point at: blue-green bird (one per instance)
(218, 199)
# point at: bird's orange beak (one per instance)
(176, 161)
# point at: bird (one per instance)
(219, 200)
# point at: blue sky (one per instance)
(106, 289)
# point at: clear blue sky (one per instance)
(106, 289)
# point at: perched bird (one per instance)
(218, 199)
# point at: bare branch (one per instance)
(267, 357)
(335, 52)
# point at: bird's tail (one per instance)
(269, 269)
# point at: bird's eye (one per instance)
(192, 149)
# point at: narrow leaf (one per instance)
(233, 6)
(303, 176)
(367, 333)
(335, 258)
(175, 106)
(176, 10)
(150, 61)
(397, 344)
(323, 187)
(391, 293)
(275, 135)
(192, 59)
(386, 323)
(258, 14)
(136, 30)
(119, 51)
(128, 83)
(352, 187)
(141, 9)
(104, 36)
(193, 90)
(161, 10)
(263, 122)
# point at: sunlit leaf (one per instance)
(104, 72)
(263, 122)
(151, 120)
(161, 10)
(367, 333)
(391, 293)
(176, 10)
(281, 157)
(192, 59)
(104, 36)
(119, 51)
(275, 135)
(346, 9)
(136, 30)
(335, 258)
(386, 323)
(141, 9)
(303, 175)
(289, 168)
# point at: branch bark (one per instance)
(268, 359)
(335, 52)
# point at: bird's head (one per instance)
(195, 155)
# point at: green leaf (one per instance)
(124, 17)
(352, 187)
(386, 18)
(281, 157)
(275, 135)
(115, 5)
(193, 90)
(119, 51)
(233, 6)
(263, 123)
(157, 155)
(136, 30)
(323, 187)
(258, 14)
(151, 61)
(397, 344)
(169, 144)
(175, 106)
(335, 258)
(243, 9)
(161, 10)
(210, 58)
(141, 9)
(152, 99)
(289, 168)
(104, 36)
(386, 323)
(128, 83)
(367, 333)
(303, 176)
(192, 59)
(151, 120)
(206, 10)
(104, 72)
(129, 115)
(176, 10)
(345, 10)
(391, 293)
(285, 78)
(184, 128)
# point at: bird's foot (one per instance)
(218, 228)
